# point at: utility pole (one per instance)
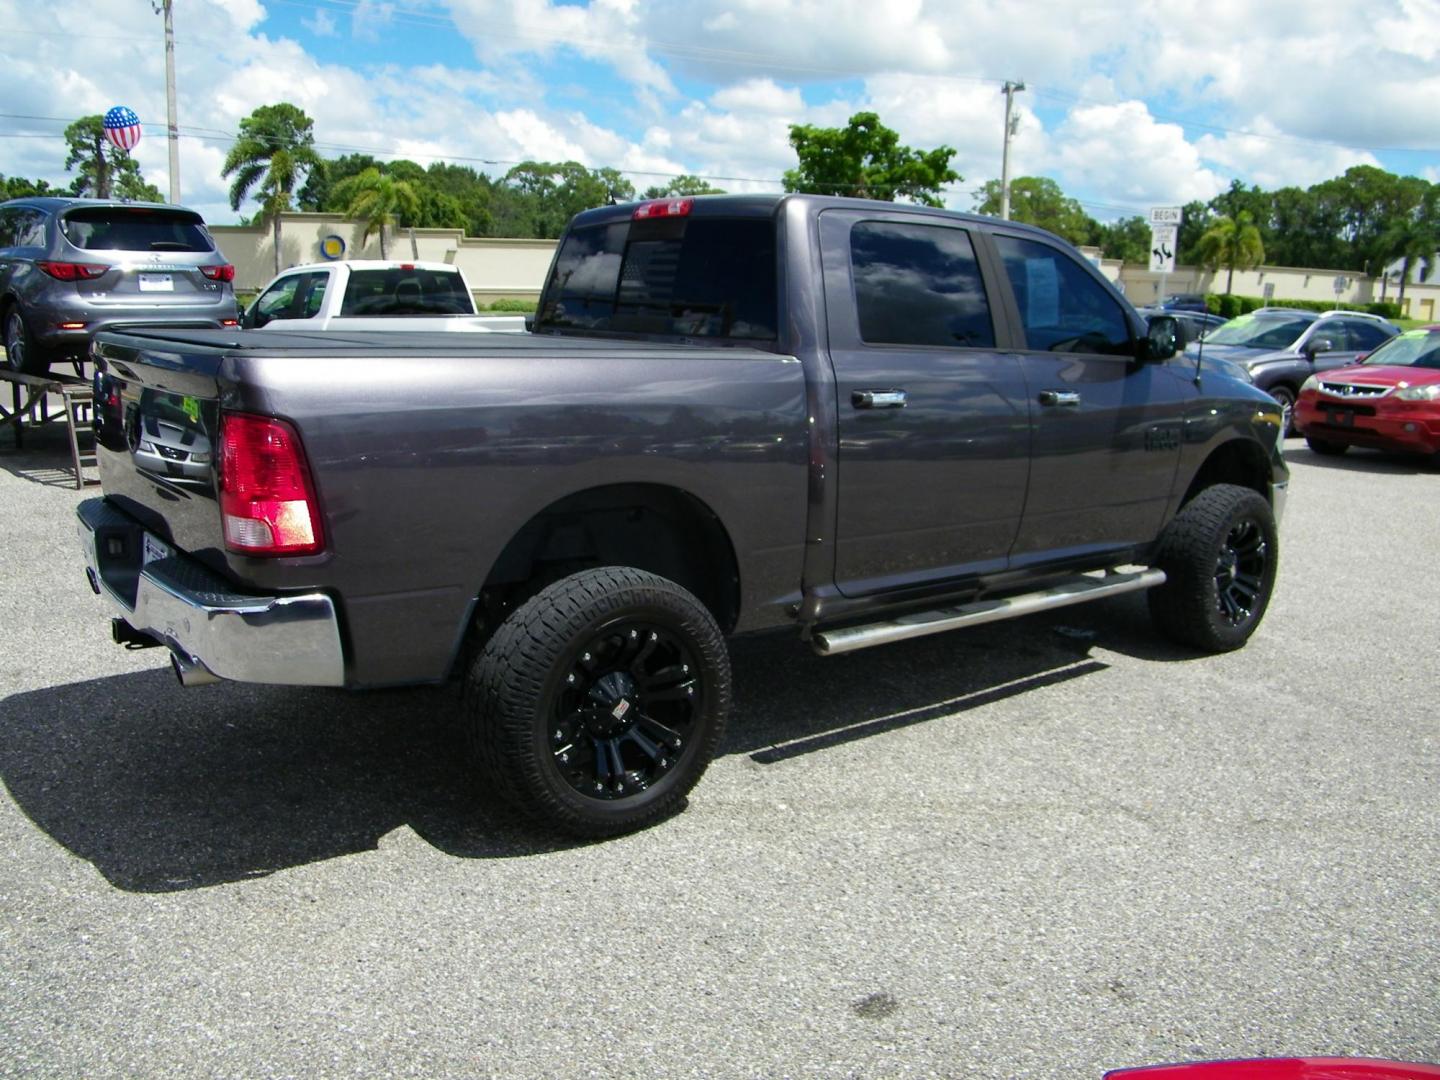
(164, 6)
(1011, 123)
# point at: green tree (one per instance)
(1038, 200)
(106, 170)
(274, 152)
(377, 199)
(865, 160)
(1127, 240)
(17, 187)
(1233, 243)
(1414, 240)
(540, 197)
(682, 186)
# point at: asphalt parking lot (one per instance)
(1043, 848)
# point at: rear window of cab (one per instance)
(672, 276)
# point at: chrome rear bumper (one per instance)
(288, 640)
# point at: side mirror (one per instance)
(1318, 345)
(1162, 338)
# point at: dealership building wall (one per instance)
(496, 269)
(502, 269)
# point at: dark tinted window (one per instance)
(400, 291)
(8, 219)
(30, 228)
(1366, 335)
(124, 228)
(690, 277)
(918, 285)
(1062, 308)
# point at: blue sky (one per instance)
(1127, 105)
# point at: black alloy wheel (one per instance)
(17, 341)
(626, 710)
(598, 703)
(1240, 572)
(1220, 555)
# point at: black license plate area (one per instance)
(1340, 417)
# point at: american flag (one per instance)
(122, 127)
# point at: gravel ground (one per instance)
(1042, 848)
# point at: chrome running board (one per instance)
(1070, 591)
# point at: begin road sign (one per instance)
(1166, 215)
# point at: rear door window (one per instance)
(918, 285)
(679, 276)
(125, 228)
(1062, 308)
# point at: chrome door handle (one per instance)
(1059, 397)
(877, 399)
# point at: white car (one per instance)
(371, 294)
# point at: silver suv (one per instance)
(70, 267)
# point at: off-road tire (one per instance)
(526, 689)
(1325, 447)
(1220, 553)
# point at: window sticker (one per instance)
(1042, 293)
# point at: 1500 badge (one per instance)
(1162, 438)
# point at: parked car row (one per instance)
(1283, 347)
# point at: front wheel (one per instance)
(1286, 397)
(1219, 555)
(597, 705)
(1325, 447)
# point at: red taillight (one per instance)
(219, 273)
(68, 271)
(229, 322)
(663, 208)
(266, 500)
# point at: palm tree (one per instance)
(1233, 243)
(1414, 242)
(275, 148)
(377, 199)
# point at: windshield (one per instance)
(1414, 348)
(1255, 332)
(705, 277)
(125, 228)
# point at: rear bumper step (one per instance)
(1074, 590)
(212, 631)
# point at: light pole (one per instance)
(1011, 123)
(164, 6)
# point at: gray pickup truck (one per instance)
(860, 420)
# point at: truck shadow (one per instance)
(164, 789)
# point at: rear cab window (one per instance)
(682, 276)
(135, 228)
(406, 290)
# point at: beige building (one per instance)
(496, 269)
(502, 269)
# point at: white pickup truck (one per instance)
(370, 294)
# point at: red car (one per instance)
(1390, 400)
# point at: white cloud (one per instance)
(322, 25)
(1123, 151)
(1271, 161)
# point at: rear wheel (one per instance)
(597, 705)
(21, 352)
(1219, 555)
(1326, 447)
